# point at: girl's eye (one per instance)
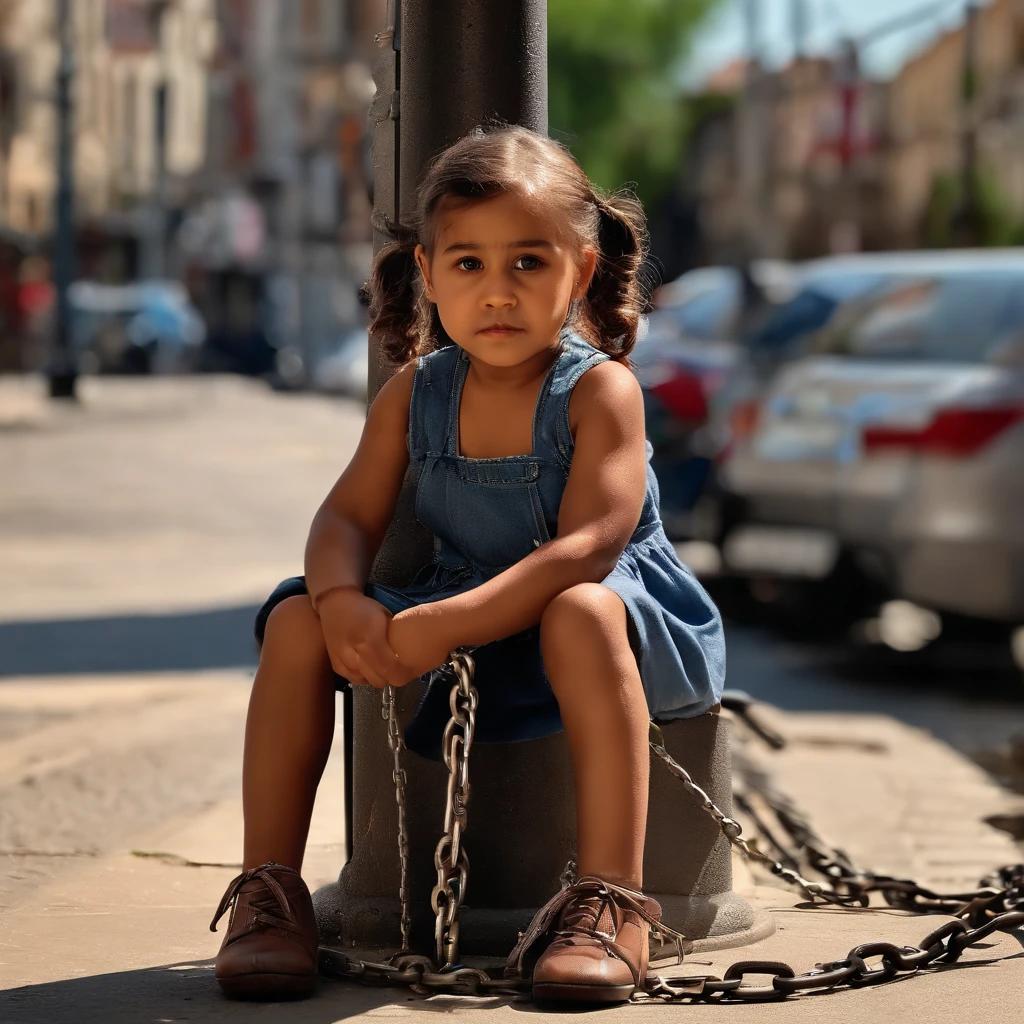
(531, 263)
(469, 263)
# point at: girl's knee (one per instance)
(294, 623)
(582, 614)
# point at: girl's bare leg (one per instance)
(594, 675)
(288, 735)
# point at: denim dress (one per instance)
(487, 514)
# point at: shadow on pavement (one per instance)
(182, 641)
(179, 992)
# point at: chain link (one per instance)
(390, 714)
(450, 858)
(977, 914)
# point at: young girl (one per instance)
(512, 313)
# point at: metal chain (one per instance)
(942, 946)
(844, 876)
(733, 831)
(419, 974)
(992, 907)
(389, 713)
(977, 914)
(450, 857)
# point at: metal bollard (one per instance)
(522, 833)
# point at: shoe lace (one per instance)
(584, 902)
(584, 914)
(263, 874)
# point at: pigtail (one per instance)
(391, 291)
(616, 297)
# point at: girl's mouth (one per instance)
(501, 329)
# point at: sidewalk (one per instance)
(125, 939)
(138, 533)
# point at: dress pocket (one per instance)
(495, 523)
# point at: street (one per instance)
(139, 534)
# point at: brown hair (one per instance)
(542, 172)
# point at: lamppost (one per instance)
(63, 365)
(154, 255)
(849, 84)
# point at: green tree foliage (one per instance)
(950, 223)
(614, 94)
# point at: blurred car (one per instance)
(150, 327)
(346, 370)
(897, 444)
(822, 289)
(713, 344)
(682, 360)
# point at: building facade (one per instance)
(848, 163)
(132, 59)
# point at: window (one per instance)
(962, 317)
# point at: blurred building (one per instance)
(282, 241)
(140, 86)
(841, 162)
(220, 141)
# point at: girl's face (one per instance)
(502, 280)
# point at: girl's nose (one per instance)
(497, 293)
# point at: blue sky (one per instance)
(724, 36)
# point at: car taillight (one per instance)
(683, 395)
(951, 432)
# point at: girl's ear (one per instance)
(586, 274)
(424, 264)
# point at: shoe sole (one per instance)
(559, 992)
(268, 986)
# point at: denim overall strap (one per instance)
(456, 379)
(552, 436)
(428, 407)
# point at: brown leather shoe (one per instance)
(270, 949)
(599, 943)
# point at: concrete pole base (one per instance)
(725, 921)
(522, 831)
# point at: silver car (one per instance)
(899, 442)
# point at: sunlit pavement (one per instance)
(139, 532)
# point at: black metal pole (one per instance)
(446, 66)
(450, 66)
(63, 369)
(967, 228)
(466, 63)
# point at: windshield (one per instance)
(958, 318)
(707, 314)
(810, 309)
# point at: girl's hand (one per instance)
(418, 642)
(356, 633)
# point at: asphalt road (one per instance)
(138, 534)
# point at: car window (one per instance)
(958, 318)
(810, 309)
(707, 315)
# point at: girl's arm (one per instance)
(344, 538)
(600, 509)
(349, 526)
